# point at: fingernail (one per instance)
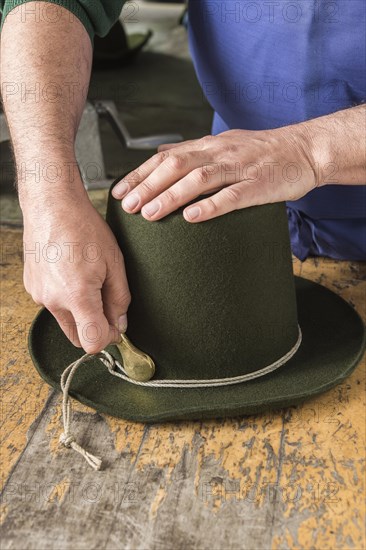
(151, 208)
(193, 213)
(120, 190)
(131, 201)
(122, 323)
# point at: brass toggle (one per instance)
(137, 364)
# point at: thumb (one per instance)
(94, 330)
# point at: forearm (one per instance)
(44, 79)
(337, 146)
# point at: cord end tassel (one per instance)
(68, 441)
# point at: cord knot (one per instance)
(66, 440)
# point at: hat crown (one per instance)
(209, 300)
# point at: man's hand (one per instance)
(74, 267)
(73, 264)
(246, 168)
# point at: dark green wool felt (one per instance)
(212, 300)
(216, 298)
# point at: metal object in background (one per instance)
(88, 146)
(88, 151)
(108, 110)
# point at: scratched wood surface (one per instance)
(292, 479)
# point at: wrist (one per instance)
(54, 178)
(316, 148)
(57, 210)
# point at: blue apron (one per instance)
(265, 64)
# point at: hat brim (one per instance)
(332, 346)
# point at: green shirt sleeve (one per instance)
(97, 16)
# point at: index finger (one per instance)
(134, 178)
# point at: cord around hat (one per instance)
(68, 439)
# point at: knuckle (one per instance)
(37, 299)
(51, 304)
(206, 140)
(133, 178)
(123, 298)
(211, 206)
(170, 196)
(161, 156)
(178, 162)
(202, 176)
(233, 194)
(147, 187)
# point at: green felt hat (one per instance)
(212, 301)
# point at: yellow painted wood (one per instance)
(295, 477)
(23, 393)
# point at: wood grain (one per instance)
(293, 479)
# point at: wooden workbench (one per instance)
(292, 479)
